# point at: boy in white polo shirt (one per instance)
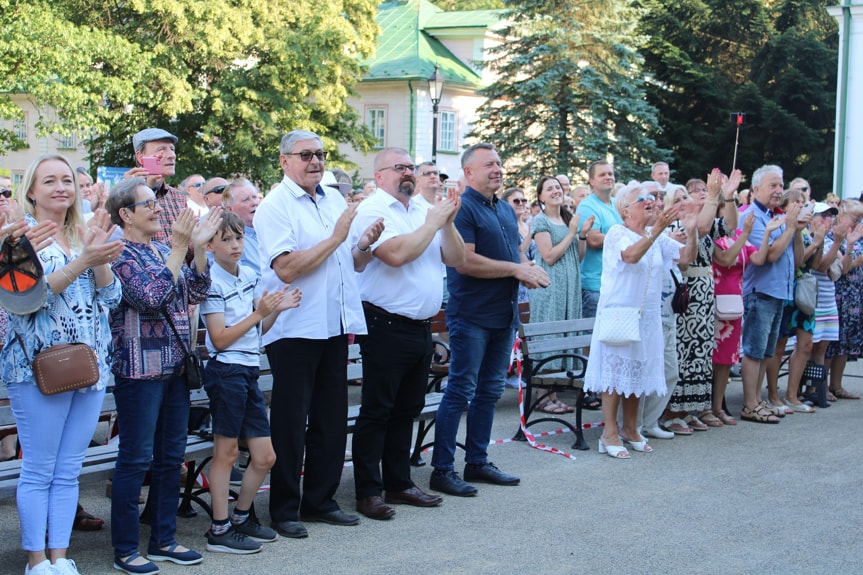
(235, 320)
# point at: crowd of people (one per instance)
(311, 265)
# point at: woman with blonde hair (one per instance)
(55, 430)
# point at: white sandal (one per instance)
(615, 451)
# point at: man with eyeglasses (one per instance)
(195, 199)
(160, 143)
(302, 231)
(401, 291)
(481, 316)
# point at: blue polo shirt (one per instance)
(491, 226)
(774, 279)
(605, 216)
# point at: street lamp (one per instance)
(436, 83)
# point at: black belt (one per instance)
(394, 316)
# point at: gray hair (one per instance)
(657, 164)
(763, 171)
(291, 138)
(465, 157)
(622, 198)
(228, 193)
(123, 194)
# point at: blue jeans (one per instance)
(762, 318)
(477, 375)
(54, 431)
(153, 417)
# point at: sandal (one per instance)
(695, 423)
(567, 408)
(591, 401)
(551, 407)
(843, 393)
(86, 522)
(830, 397)
(761, 414)
(725, 418)
(678, 426)
(710, 419)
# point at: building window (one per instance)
(17, 178)
(66, 143)
(20, 128)
(376, 120)
(447, 131)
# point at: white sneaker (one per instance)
(43, 568)
(65, 566)
(657, 432)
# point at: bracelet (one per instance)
(726, 200)
(66, 275)
(361, 250)
(582, 238)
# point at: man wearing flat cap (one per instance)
(158, 143)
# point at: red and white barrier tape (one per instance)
(531, 438)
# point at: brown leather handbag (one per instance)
(63, 367)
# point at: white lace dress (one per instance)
(635, 369)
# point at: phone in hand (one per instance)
(807, 210)
(153, 165)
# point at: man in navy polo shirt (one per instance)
(481, 316)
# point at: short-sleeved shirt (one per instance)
(234, 296)
(605, 216)
(290, 220)
(491, 226)
(414, 290)
(774, 279)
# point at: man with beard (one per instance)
(401, 290)
(481, 316)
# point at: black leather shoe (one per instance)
(292, 529)
(414, 496)
(374, 507)
(337, 517)
(489, 473)
(450, 483)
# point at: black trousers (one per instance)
(309, 386)
(396, 358)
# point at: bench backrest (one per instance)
(555, 336)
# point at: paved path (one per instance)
(753, 498)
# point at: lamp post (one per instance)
(436, 83)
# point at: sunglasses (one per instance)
(198, 185)
(306, 155)
(6, 193)
(641, 199)
(218, 190)
(518, 201)
(428, 173)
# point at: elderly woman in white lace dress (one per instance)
(634, 259)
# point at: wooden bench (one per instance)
(555, 340)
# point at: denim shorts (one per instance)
(589, 302)
(762, 318)
(236, 402)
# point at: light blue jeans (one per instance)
(54, 431)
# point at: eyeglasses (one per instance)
(699, 191)
(518, 201)
(150, 204)
(803, 188)
(399, 168)
(198, 185)
(216, 190)
(306, 155)
(6, 193)
(428, 173)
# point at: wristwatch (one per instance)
(361, 250)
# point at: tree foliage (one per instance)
(569, 91)
(228, 77)
(775, 62)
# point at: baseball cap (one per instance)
(150, 135)
(443, 176)
(22, 281)
(821, 207)
(329, 179)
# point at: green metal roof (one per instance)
(406, 52)
(465, 19)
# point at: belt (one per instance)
(394, 316)
(698, 272)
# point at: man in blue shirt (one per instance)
(767, 286)
(482, 315)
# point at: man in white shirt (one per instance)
(401, 291)
(302, 228)
(194, 198)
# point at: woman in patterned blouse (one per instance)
(151, 393)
